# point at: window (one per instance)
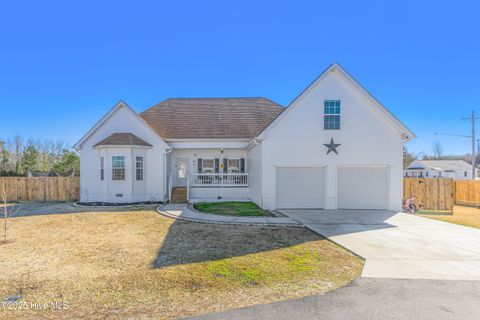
(139, 168)
(102, 168)
(331, 120)
(233, 166)
(118, 168)
(208, 166)
(465, 174)
(426, 174)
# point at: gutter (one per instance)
(255, 140)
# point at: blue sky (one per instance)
(64, 64)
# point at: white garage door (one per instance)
(300, 188)
(362, 188)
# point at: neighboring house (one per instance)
(455, 169)
(334, 146)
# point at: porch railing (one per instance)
(219, 180)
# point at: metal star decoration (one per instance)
(332, 146)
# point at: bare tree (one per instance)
(437, 150)
(49, 153)
(59, 146)
(18, 149)
(408, 158)
(9, 210)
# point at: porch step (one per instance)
(179, 195)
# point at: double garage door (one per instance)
(357, 188)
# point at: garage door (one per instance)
(362, 188)
(300, 188)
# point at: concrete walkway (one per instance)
(398, 245)
(379, 299)
(182, 212)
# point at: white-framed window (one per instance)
(118, 168)
(233, 165)
(139, 168)
(208, 165)
(331, 115)
(465, 174)
(102, 168)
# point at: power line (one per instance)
(472, 118)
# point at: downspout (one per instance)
(257, 141)
(165, 194)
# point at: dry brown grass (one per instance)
(140, 265)
(466, 216)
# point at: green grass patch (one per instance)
(240, 209)
(435, 212)
(277, 266)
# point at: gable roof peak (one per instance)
(406, 133)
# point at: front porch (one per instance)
(211, 187)
(197, 175)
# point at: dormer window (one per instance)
(331, 120)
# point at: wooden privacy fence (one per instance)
(467, 192)
(40, 188)
(442, 194)
(431, 193)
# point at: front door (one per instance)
(181, 171)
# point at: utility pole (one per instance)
(472, 118)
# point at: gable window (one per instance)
(208, 166)
(139, 168)
(102, 168)
(118, 168)
(331, 118)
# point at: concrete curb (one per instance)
(160, 210)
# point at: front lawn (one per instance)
(462, 215)
(139, 265)
(241, 209)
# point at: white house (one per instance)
(455, 169)
(334, 146)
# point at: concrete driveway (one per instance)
(398, 245)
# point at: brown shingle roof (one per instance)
(211, 118)
(124, 139)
